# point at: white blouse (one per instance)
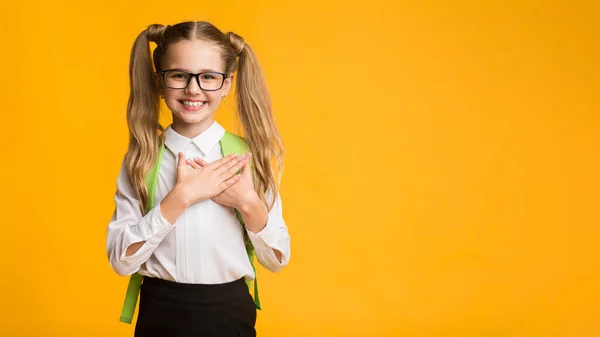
(206, 243)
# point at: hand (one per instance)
(201, 183)
(236, 195)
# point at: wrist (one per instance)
(182, 195)
(255, 215)
(250, 205)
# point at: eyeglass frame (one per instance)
(192, 75)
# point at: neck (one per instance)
(191, 130)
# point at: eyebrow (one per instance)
(201, 70)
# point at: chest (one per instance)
(201, 216)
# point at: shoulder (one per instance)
(228, 134)
(234, 142)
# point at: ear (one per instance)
(227, 84)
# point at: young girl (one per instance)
(191, 244)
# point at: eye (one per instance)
(177, 75)
(208, 76)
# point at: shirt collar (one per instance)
(204, 141)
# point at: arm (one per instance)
(171, 208)
(131, 238)
(268, 233)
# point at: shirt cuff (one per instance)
(158, 227)
(273, 236)
(152, 228)
(267, 236)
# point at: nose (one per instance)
(193, 88)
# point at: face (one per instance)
(193, 108)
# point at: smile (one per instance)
(192, 104)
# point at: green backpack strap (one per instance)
(231, 143)
(135, 280)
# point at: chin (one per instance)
(193, 118)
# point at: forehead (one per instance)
(193, 56)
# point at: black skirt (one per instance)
(169, 309)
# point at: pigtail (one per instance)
(142, 113)
(256, 116)
(253, 102)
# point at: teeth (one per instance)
(195, 104)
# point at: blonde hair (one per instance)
(253, 105)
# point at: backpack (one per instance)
(230, 143)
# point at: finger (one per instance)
(246, 169)
(193, 164)
(226, 166)
(218, 163)
(232, 167)
(181, 160)
(230, 182)
(200, 162)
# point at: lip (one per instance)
(192, 108)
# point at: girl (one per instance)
(191, 244)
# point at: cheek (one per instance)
(214, 96)
(170, 94)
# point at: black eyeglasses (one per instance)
(179, 79)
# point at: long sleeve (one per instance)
(274, 235)
(127, 226)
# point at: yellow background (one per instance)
(441, 172)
